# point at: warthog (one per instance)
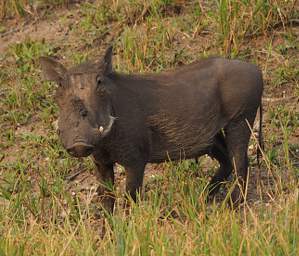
(206, 107)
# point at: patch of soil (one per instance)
(51, 28)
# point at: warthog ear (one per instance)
(52, 69)
(108, 60)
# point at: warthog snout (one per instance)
(80, 149)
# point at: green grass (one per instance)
(43, 211)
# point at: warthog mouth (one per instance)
(80, 149)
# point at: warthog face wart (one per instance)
(86, 113)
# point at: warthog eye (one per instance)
(83, 112)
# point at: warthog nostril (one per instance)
(80, 149)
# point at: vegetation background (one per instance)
(47, 199)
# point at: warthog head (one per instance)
(83, 97)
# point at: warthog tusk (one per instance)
(101, 129)
(103, 132)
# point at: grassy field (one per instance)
(47, 199)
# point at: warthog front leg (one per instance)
(105, 175)
(134, 179)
